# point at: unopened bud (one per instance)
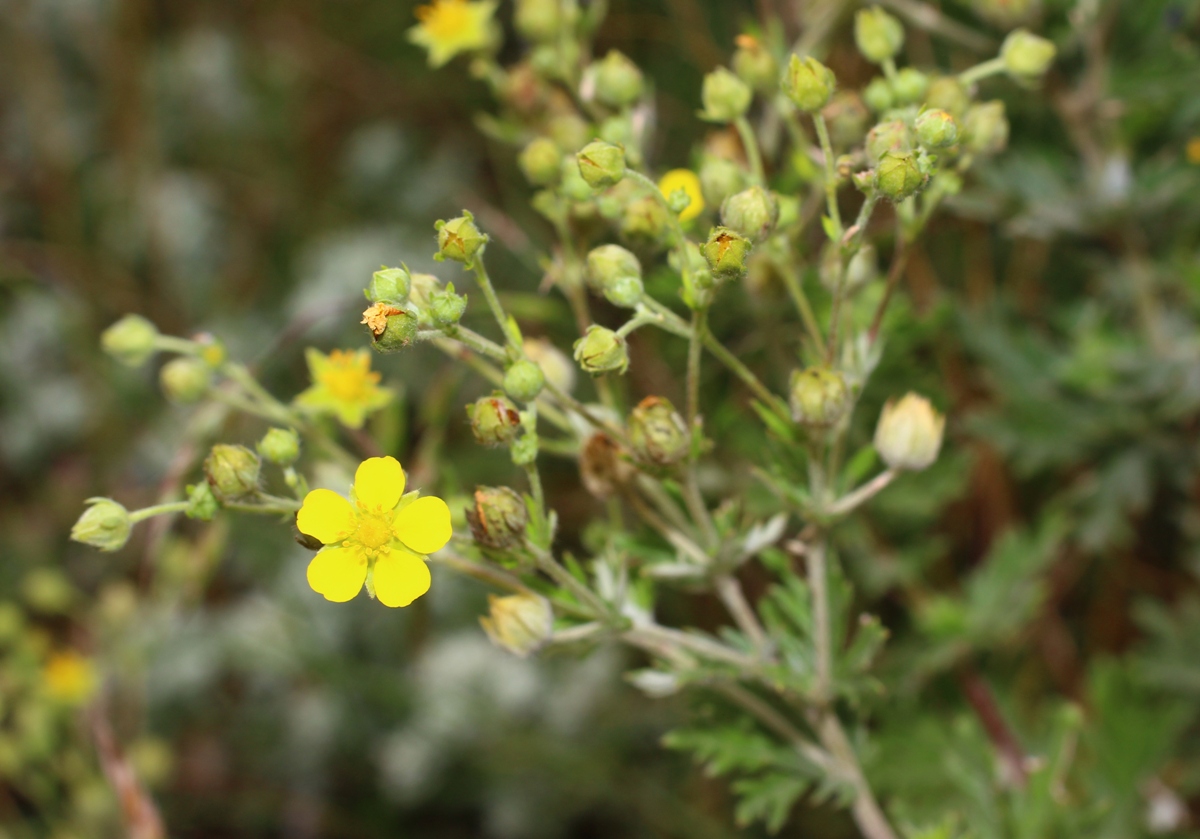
(202, 504)
(752, 213)
(519, 623)
(571, 185)
(879, 36)
(909, 434)
(720, 177)
(130, 340)
(725, 96)
(603, 466)
(755, 65)
(524, 380)
(726, 252)
(985, 127)
(808, 83)
(389, 285)
(899, 175)
(644, 222)
(909, 86)
(538, 20)
(498, 518)
(232, 471)
(657, 433)
(568, 130)
(601, 164)
(878, 95)
(494, 420)
(618, 80)
(554, 363)
(936, 129)
(601, 350)
(459, 239)
(446, 307)
(1026, 56)
(847, 118)
(185, 379)
(541, 161)
(105, 524)
(948, 94)
(892, 136)
(818, 397)
(392, 328)
(617, 274)
(424, 286)
(281, 446)
(619, 130)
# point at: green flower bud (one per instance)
(909, 86)
(568, 130)
(459, 239)
(538, 20)
(389, 285)
(899, 175)
(445, 307)
(130, 340)
(494, 420)
(185, 379)
(422, 290)
(1026, 56)
(878, 95)
(524, 380)
(720, 178)
(105, 524)
(202, 504)
(518, 623)
(232, 471)
(601, 164)
(554, 363)
(572, 185)
(879, 36)
(618, 130)
(755, 65)
(808, 83)
(541, 161)
(752, 213)
(1005, 14)
(657, 434)
(936, 129)
(392, 329)
(725, 96)
(948, 94)
(726, 252)
(985, 128)
(644, 221)
(618, 80)
(601, 350)
(281, 446)
(889, 136)
(617, 274)
(909, 434)
(818, 397)
(498, 518)
(847, 118)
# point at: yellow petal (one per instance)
(338, 573)
(379, 483)
(400, 577)
(424, 525)
(325, 515)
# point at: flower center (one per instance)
(445, 18)
(373, 532)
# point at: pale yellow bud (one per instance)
(519, 623)
(909, 433)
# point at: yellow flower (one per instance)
(382, 533)
(344, 385)
(449, 27)
(69, 677)
(689, 182)
(1193, 151)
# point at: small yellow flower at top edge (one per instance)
(380, 532)
(689, 182)
(343, 385)
(448, 27)
(1193, 151)
(69, 677)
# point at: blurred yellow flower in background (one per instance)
(69, 677)
(1193, 151)
(380, 533)
(343, 385)
(448, 27)
(689, 182)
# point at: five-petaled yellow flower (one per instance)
(382, 533)
(343, 385)
(449, 27)
(689, 182)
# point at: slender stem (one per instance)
(796, 291)
(567, 580)
(830, 175)
(535, 488)
(778, 723)
(480, 344)
(700, 644)
(930, 18)
(169, 343)
(158, 510)
(695, 347)
(489, 293)
(866, 811)
(981, 71)
(570, 402)
(864, 493)
(748, 378)
(899, 260)
(750, 144)
(819, 584)
(731, 594)
(889, 69)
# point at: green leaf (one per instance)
(768, 798)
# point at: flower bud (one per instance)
(601, 350)
(878, 95)
(818, 397)
(1026, 56)
(105, 524)
(603, 466)
(948, 94)
(601, 164)
(755, 65)
(985, 127)
(524, 380)
(617, 274)
(879, 36)
(459, 239)
(185, 379)
(893, 135)
(808, 83)
(618, 80)
(445, 307)
(494, 420)
(541, 161)
(909, 433)
(422, 289)
(568, 130)
(498, 518)
(620, 131)
(725, 96)
(281, 446)
(909, 86)
(519, 623)
(899, 175)
(644, 222)
(554, 363)
(202, 504)
(538, 20)
(752, 213)
(936, 129)
(657, 433)
(720, 177)
(389, 285)
(571, 184)
(232, 471)
(392, 329)
(130, 340)
(847, 118)
(726, 252)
